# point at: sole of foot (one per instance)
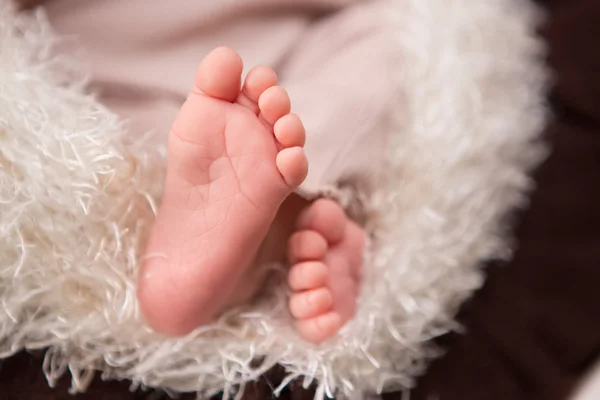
(235, 154)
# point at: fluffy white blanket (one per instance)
(76, 203)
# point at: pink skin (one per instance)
(234, 158)
(326, 255)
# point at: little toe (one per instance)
(258, 80)
(320, 328)
(274, 103)
(290, 131)
(219, 74)
(292, 165)
(308, 275)
(326, 217)
(311, 303)
(306, 245)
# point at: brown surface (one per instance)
(534, 329)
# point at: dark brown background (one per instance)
(534, 329)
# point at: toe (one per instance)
(308, 275)
(274, 103)
(289, 131)
(306, 245)
(326, 217)
(320, 328)
(258, 80)
(292, 165)
(311, 303)
(219, 74)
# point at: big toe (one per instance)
(326, 217)
(220, 74)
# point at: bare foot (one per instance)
(234, 157)
(326, 253)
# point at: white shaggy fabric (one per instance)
(75, 204)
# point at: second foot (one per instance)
(326, 255)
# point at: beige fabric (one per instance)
(332, 56)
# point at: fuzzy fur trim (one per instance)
(76, 203)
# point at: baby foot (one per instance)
(234, 156)
(326, 253)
